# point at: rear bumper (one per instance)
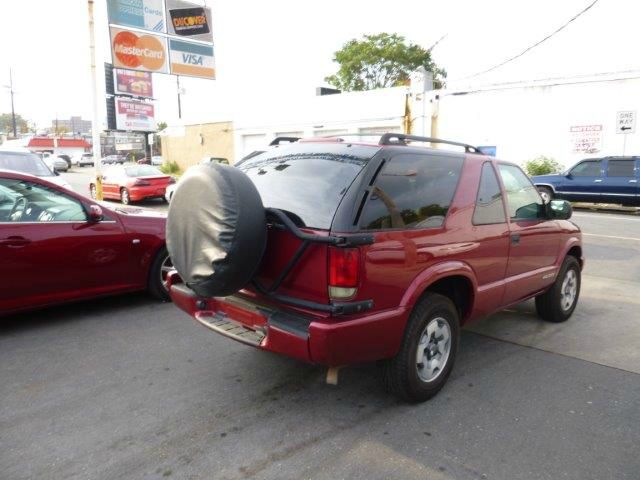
(322, 340)
(140, 193)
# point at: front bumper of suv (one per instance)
(325, 340)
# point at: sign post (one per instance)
(625, 124)
(95, 121)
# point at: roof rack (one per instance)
(279, 140)
(401, 139)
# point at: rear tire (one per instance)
(546, 193)
(426, 356)
(124, 196)
(157, 275)
(558, 303)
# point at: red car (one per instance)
(133, 183)
(57, 246)
(368, 252)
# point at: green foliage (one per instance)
(161, 126)
(380, 61)
(6, 124)
(542, 166)
(170, 168)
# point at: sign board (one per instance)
(191, 59)
(131, 82)
(586, 138)
(189, 20)
(134, 115)
(138, 51)
(488, 150)
(143, 14)
(626, 122)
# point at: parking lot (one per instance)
(128, 387)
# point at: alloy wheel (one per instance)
(569, 290)
(433, 349)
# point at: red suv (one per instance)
(337, 252)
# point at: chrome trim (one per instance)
(219, 323)
(58, 223)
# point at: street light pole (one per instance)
(13, 112)
(95, 122)
(179, 105)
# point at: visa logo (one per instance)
(192, 59)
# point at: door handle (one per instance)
(515, 239)
(633, 181)
(597, 180)
(15, 241)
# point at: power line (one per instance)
(565, 25)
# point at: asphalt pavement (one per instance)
(129, 388)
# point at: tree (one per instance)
(6, 124)
(380, 61)
(542, 166)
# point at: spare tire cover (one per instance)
(216, 229)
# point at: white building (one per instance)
(567, 119)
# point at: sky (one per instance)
(282, 49)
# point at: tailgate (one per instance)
(307, 280)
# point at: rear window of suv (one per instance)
(307, 180)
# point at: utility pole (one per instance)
(13, 112)
(95, 121)
(178, 87)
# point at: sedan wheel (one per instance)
(124, 196)
(165, 268)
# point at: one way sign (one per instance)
(626, 122)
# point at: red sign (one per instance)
(131, 82)
(134, 115)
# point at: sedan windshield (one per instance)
(25, 163)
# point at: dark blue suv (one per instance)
(596, 180)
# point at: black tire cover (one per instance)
(216, 229)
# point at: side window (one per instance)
(23, 201)
(523, 199)
(412, 191)
(621, 168)
(590, 168)
(489, 204)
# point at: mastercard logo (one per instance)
(135, 51)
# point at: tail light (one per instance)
(141, 183)
(344, 272)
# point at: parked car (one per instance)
(114, 159)
(56, 163)
(84, 160)
(66, 158)
(133, 183)
(157, 160)
(206, 160)
(22, 160)
(64, 247)
(168, 194)
(338, 252)
(597, 180)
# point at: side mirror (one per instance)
(559, 210)
(95, 214)
(568, 175)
